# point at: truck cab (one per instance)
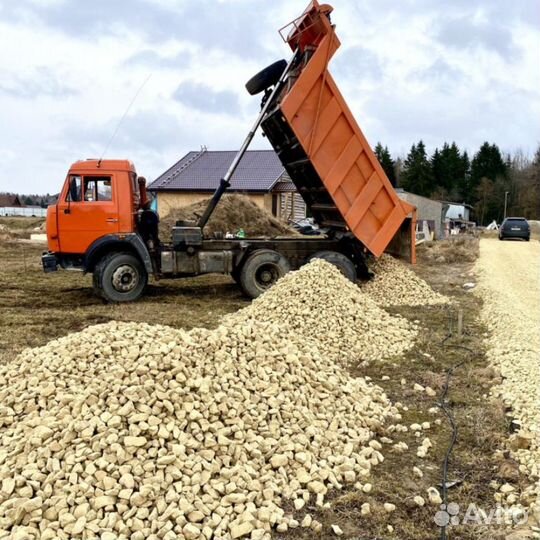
(97, 199)
(98, 213)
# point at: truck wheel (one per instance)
(261, 270)
(266, 78)
(120, 277)
(340, 261)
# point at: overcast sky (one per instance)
(463, 70)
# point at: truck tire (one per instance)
(340, 261)
(120, 277)
(267, 77)
(261, 270)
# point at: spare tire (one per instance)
(266, 78)
(340, 261)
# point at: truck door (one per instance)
(87, 210)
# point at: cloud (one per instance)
(358, 63)
(39, 83)
(205, 99)
(497, 11)
(400, 118)
(464, 33)
(440, 75)
(212, 24)
(407, 69)
(151, 59)
(143, 130)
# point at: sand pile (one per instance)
(233, 212)
(395, 284)
(134, 431)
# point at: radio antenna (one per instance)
(122, 118)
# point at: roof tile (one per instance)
(259, 170)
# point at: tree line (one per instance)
(33, 199)
(483, 180)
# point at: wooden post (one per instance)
(460, 323)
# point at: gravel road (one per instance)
(509, 283)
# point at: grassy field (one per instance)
(35, 308)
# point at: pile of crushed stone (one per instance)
(395, 284)
(318, 305)
(132, 431)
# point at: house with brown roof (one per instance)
(9, 199)
(260, 176)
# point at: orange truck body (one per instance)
(333, 165)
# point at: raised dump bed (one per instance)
(324, 150)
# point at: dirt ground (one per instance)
(35, 308)
(509, 283)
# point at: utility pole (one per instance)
(505, 202)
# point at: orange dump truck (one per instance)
(322, 147)
(102, 223)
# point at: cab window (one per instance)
(75, 189)
(97, 188)
(89, 189)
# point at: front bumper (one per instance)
(49, 262)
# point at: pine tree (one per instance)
(454, 166)
(386, 161)
(447, 167)
(488, 182)
(462, 186)
(448, 171)
(487, 163)
(418, 175)
(379, 149)
(437, 166)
